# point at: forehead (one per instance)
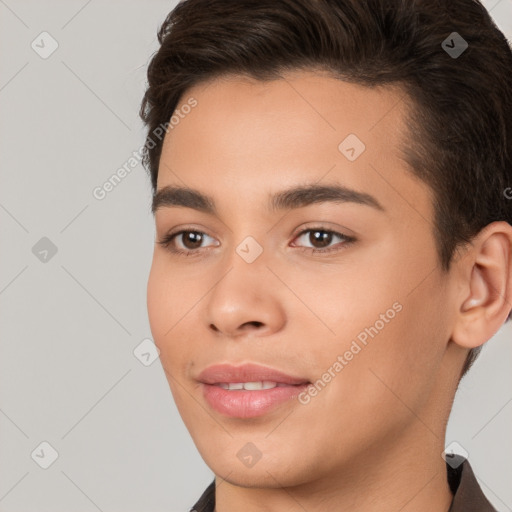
(246, 136)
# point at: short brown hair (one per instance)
(460, 131)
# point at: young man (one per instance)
(334, 242)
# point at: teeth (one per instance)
(251, 386)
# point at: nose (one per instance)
(245, 327)
(246, 300)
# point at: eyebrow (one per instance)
(296, 197)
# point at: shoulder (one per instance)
(468, 496)
(206, 503)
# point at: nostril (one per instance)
(255, 323)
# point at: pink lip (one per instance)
(243, 403)
(248, 372)
(248, 404)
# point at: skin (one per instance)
(372, 438)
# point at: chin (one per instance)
(252, 478)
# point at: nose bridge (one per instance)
(243, 296)
(249, 238)
(246, 272)
(250, 250)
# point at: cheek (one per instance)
(390, 322)
(157, 301)
(170, 303)
(166, 306)
(404, 358)
(169, 296)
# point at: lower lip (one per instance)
(248, 404)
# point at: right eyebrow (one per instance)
(185, 197)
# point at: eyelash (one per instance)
(169, 238)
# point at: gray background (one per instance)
(68, 374)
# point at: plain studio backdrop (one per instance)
(76, 392)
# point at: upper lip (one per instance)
(249, 372)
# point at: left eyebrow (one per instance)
(296, 197)
(301, 196)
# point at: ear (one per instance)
(485, 298)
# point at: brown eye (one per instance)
(191, 239)
(321, 240)
(189, 242)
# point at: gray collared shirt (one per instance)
(467, 494)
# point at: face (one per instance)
(340, 287)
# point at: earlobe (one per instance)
(487, 305)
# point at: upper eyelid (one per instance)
(319, 225)
(172, 235)
(295, 234)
